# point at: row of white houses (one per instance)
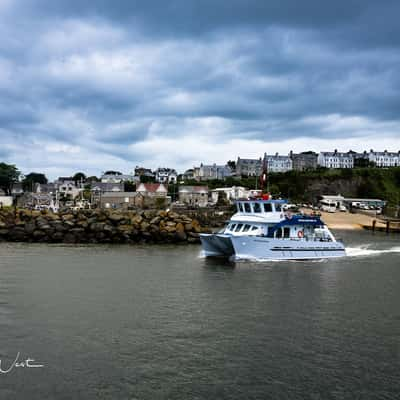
(381, 159)
(310, 160)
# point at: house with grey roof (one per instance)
(278, 163)
(166, 175)
(304, 161)
(115, 177)
(193, 195)
(335, 159)
(121, 200)
(214, 171)
(384, 159)
(248, 167)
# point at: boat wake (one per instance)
(365, 251)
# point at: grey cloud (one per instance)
(100, 75)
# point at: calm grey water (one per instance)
(161, 322)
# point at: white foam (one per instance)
(365, 251)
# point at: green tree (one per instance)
(232, 165)
(9, 175)
(92, 179)
(79, 177)
(129, 186)
(31, 179)
(147, 179)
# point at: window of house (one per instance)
(238, 228)
(247, 207)
(256, 207)
(267, 207)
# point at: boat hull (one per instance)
(217, 245)
(263, 248)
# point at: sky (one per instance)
(98, 85)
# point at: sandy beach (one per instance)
(345, 220)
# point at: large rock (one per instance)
(179, 227)
(17, 234)
(155, 220)
(67, 217)
(180, 235)
(144, 226)
(97, 226)
(116, 218)
(37, 234)
(29, 227)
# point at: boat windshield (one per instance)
(257, 207)
(267, 207)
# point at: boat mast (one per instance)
(264, 176)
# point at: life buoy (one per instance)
(300, 234)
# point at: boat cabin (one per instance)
(259, 206)
(266, 218)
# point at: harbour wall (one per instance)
(99, 226)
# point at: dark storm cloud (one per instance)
(107, 81)
(361, 22)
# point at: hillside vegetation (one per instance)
(306, 186)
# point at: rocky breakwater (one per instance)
(99, 226)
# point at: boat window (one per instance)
(279, 233)
(267, 207)
(241, 207)
(256, 207)
(286, 232)
(247, 207)
(278, 207)
(238, 228)
(246, 228)
(233, 227)
(254, 228)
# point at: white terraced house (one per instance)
(166, 175)
(277, 163)
(384, 158)
(335, 160)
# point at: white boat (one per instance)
(262, 230)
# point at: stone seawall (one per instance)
(99, 226)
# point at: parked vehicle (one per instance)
(328, 206)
